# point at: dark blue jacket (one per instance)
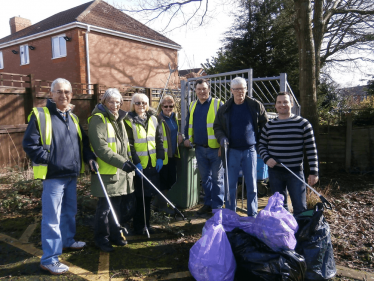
(64, 159)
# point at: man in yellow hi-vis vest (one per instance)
(199, 131)
(57, 144)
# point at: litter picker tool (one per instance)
(325, 202)
(159, 192)
(120, 228)
(227, 174)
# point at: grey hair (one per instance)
(136, 96)
(238, 81)
(165, 98)
(62, 81)
(110, 93)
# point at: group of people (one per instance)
(124, 146)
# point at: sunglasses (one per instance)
(140, 103)
(168, 106)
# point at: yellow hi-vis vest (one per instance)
(145, 142)
(105, 168)
(43, 117)
(166, 147)
(212, 112)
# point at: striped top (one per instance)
(285, 139)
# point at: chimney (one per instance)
(18, 23)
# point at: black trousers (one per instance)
(138, 220)
(105, 227)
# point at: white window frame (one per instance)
(24, 54)
(57, 51)
(1, 60)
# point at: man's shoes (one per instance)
(77, 245)
(204, 210)
(105, 247)
(56, 268)
(119, 242)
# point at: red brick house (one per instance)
(91, 43)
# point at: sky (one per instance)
(198, 44)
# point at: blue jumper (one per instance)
(171, 122)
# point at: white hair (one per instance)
(238, 81)
(139, 96)
(110, 93)
(60, 81)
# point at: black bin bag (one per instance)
(256, 261)
(314, 243)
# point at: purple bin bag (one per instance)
(211, 257)
(275, 226)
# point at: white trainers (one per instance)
(77, 245)
(56, 268)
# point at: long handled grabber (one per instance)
(120, 228)
(326, 203)
(145, 221)
(227, 174)
(159, 192)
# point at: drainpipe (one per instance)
(88, 59)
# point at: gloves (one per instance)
(159, 165)
(139, 166)
(128, 167)
(222, 142)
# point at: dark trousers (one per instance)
(105, 227)
(138, 220)
(168, 174)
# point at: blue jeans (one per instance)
(247, 161)
(283, 180)
(211, 172)
(59, 207)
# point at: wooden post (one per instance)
(33, 90)
(348, 144)
(28, 101)
(148, 93)
(96, 96)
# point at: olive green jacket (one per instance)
(121, 183)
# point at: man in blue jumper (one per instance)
(57, 144)
(199, 129)
(239, 122)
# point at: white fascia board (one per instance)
(68, 26)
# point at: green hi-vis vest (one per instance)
(145, 142)
(166, 145)
(105, 168)
(45, 129)
(212, 112)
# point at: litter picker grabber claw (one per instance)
(159, 192)
(227, 174)
(120, 228)
(326, 203)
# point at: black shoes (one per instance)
(204, 210)
(105, 247)
(120, 242)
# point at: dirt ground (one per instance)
(167, 251)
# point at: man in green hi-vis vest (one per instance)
(57, 147)
(199, 131)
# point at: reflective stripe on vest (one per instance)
(145, 142)
(212, 112)
(166, 160)
(105, 168)
(43, 117)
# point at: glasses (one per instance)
(168, 106)
(140, 103)
(239, 89)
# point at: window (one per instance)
(24, 53)
(58, 46)
(1, 60)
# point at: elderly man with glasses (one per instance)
(199, 129)
(238, 123)
(57, 147)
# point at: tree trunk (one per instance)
(307, 63)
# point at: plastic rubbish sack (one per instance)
(211, 257)
(256, 261)
(230, 220)
(275, 226)
(128, 207)
(314, 243)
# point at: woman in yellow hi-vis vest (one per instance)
(148, 154)
(109, 141)
(172, 140)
